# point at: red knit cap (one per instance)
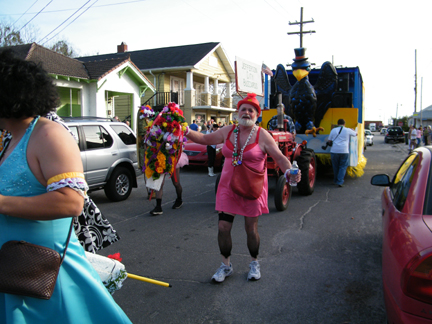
(252, 100)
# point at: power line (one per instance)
(24, 13)
(64, 21)
(53, 11)
(71, 21)
(29, 20)
(35, 15)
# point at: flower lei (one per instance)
(146, 112)
(5, 138)
(164, 141)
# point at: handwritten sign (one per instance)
(248, 77)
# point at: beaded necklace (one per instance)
(238, 157)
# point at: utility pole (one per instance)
(421, 101)
(397, 107)
(301, 32)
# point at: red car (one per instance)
(197, 154)
(407, 239)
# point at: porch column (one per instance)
(189, 99)
(215, 95)
(206, 95)
(228, 99)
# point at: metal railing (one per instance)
(162, 99)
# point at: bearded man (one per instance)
(249, 144)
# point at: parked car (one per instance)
(108, 154)
(394, 133)
(407, 239)
(383, 131)
(368, 137)
(197, 154)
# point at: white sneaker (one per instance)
(254, 272)
(223, 272)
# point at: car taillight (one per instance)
(417, 277)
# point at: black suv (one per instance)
(394, 133)
(108, 153)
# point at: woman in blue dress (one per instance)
(42, 188)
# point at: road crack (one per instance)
(310, 209)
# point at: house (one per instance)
(189, 75)
(90, 89)
(421, 118)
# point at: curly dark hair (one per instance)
(26, 89)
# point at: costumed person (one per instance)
(413, 138)
(42, 188)
(175, 178)
(211, 152)
(339, 152)
(245, 144)
(164, 154)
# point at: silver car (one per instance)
(368, 137)
(108, 154)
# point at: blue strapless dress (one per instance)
(79, 295)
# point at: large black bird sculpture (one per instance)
(305, 103)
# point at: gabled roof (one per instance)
(169, 58)
(61, 65)
(52, 62)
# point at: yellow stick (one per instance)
(156, 282)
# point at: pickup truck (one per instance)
(394, 133)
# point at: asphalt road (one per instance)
(320, 259)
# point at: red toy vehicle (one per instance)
(407, 239)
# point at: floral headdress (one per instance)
(146, 112)
(164, 141)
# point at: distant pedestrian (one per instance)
(413, 138)
(211, 152)
(194, 125)
(419, 135)
(339, 152)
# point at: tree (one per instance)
(64, 48)
(12, 36)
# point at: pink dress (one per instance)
(229, 202)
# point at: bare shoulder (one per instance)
(52, 132)
(265, 135)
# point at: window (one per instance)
(74, 131)
(177, 85)
(125, 134)
(97, 137)
(402, 181)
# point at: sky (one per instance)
(387, 40)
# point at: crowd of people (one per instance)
(33, 155)
(418, 135)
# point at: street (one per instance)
(320, 259)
